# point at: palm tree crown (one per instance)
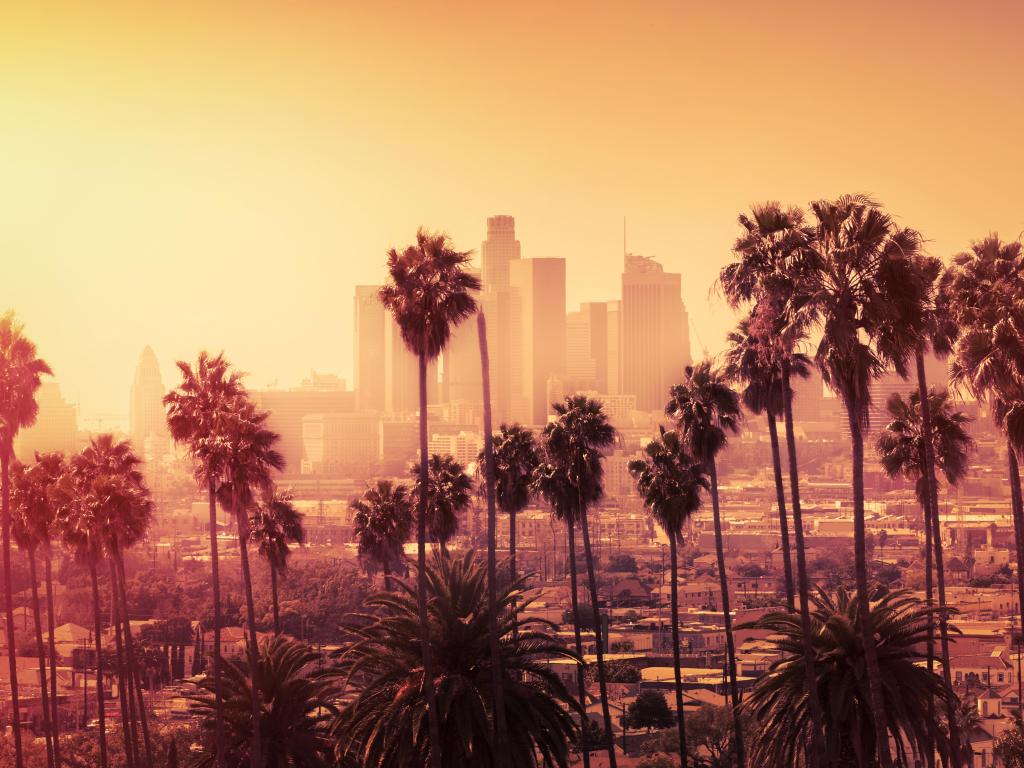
(21, 375)
(275, 525)
(449, 493)
(706, 409)
(575, 440)
(516, 455)
(382, 523)
(669, 481)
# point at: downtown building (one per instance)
(147, 420)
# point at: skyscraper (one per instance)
(368, 349)
(56, 428)
(586, 347)
(402, 383)
(147, 425)
(462, 382)
(498, 252)
(655, 343)
(538, 334)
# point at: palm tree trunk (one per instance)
(12, 657)
(730, 643)
(98, 627)
(1017, 507)
(780, 498)
(124, 693)
(497, 673)
(512, 544)
(215, 577)
(817, 747)
(932, 488)
(242, 521)
(273, 599)
(930, 642)
(598, 640)
(40, 650)
(433, 721)
(134, 669)
(581, 678)
(867, 627)
(50, 624)
(674, 563)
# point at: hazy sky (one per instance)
(196, 174)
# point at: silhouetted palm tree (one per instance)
(574, 441)
(20, 376)
(449, 493)
(381, 524)
(516, 457)
(670, 482)
(295, 706)
(196, 411)
(429, 292)
(385, 722)
(251, 460)
(275, 525)
(857, 278)
(779, 698)
(771, 237)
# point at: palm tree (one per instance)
(429, 292)
(575, 440)
(449, 493)
(770, 239)
(247, 470)
(20, 376)
(901, 450)
(858, 279)
(296, 704)
(382, 522)
(30, 510)
(706, 409)
(385, 722)
(516, 457)
(779, 699)
(670, 482)
(275, 525)
(195, 414)
(750, 360)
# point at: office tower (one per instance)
(586, 348)
(56, 427)
(368, 349)
(538, 334)
(402, 382)
(289, 407)
(147, 421)
(655, 334)
(340, 444)
(613, 350)
(461, 377)
(498, 252)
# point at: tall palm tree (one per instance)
(551, 481)
(30, 510)
(516, 457)
(275, 525)
(251, 460)
(196, 412)
(294, 718)
(21, 374)
(779, 701)
(901, 450)
(428, 293)
(381, 525)
(859, 282)
(575, 441)
(381, 674)
(771, 237)
(750, 360)
(449, 492)
(670, 482)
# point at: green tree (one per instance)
(275, 525)
(1010, 747)
(670, 482)
(429, 292)
(516, 457)
(21, 375)
(384, 720)
(382, 522)
(706, 409)
(778, 701)
(649, 710)
(449, 493)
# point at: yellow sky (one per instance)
(194, 174)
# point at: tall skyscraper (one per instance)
(147, 424)
(586, 347)
(402, 387)
(655, 332)
(613, 326)
(498, 252)
(368, 348)
(462, 382)
(56, 427)
(538, 334)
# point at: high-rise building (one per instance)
(461, 378)
(538, 334)
(655, 342)
(147, 420)
(402, 382)
(56, 427)
(498, 252)
(613, 350)
(368, 348)
(586, 347)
